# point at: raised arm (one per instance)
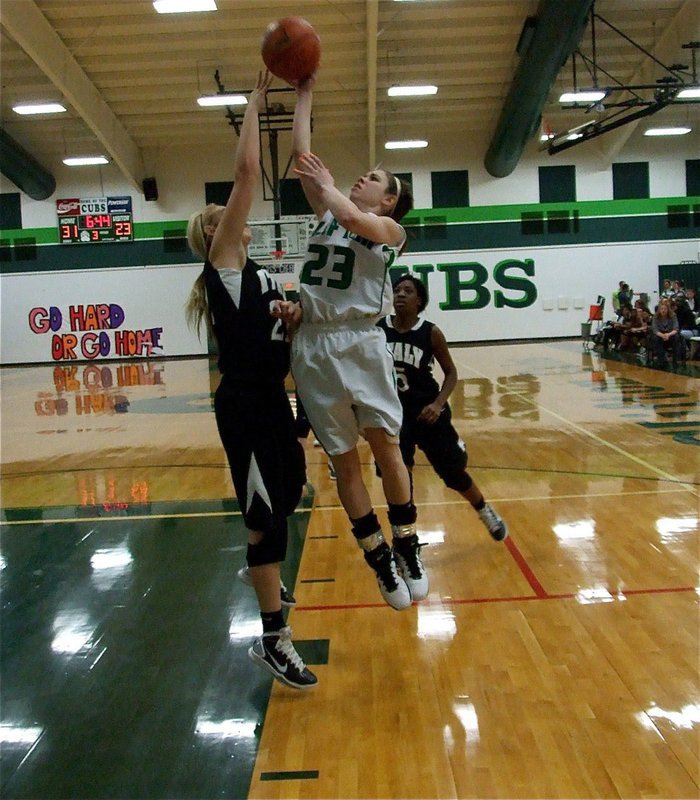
(382, 229)
(432, 412)
(227, 248)
(301, 141)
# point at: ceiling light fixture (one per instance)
(690, 93)
(183, 6)
(84, 161)
(411, 91)
(680, 130)
(587, 96)
(405, 144)
(222, 100)
(38, 108)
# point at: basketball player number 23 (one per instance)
(342, 261)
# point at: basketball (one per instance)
(291, 49)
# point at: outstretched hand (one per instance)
(257, 96)
(311, 167)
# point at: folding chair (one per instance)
(595, 314)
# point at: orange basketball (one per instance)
(291, 49)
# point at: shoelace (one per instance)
(387, 574)
(413, 562)
(284, 645)
(489, 517)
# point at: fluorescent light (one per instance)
(83, 161)
(411, 91)
(545, 137)
(38, 108)
(582, 97)
(573, 136)
(406, 144)
(678, 131)
(222, 100)
(183, 6)
(691, 93)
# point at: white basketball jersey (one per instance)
(345, 277)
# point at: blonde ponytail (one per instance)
(197, 307)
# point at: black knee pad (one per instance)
(270, 550)
(457, 479)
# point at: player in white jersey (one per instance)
(341, 365)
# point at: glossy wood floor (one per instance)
(562, 663)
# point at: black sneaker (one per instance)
(287, 598)
(494, 523)
(275, 653)
(392, 586)
(407, 555)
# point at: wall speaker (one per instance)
(150, 188)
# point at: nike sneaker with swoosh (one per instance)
(275, 652)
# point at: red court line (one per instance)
(448, 601)
(530, 576)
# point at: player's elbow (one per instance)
(248, 169)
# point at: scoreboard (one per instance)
(94, 219)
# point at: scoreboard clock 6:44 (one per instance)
(94, 219)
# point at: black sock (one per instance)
(478, 506)
(272, 621)
(404, 514)
(365, 526)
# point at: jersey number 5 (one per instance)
(342, 262)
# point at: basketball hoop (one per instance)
(278, 255)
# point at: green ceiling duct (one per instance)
(545, 44)
(24, 170)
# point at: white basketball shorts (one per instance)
(344, 375)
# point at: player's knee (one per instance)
(457, 479)
(271, 549)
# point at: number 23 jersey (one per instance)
(345, 276)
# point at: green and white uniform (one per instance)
(340, 360)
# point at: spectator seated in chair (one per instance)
(687, 324)
(612, 332)
(635, 336)
(664, 329)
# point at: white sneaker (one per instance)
(494, 523)
(407, 555)
(392, 586)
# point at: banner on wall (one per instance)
(96, 315)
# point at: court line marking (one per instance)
(619, 450)
(447, 601)
(128, 517)
(462, 501)
(334, 507)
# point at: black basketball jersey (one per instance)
(253, 346)
(413, 361)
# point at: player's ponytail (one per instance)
(197, 308)
(404, 196)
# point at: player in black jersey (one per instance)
(427, 419)
(235, 297)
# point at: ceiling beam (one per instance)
(23, 20)
(667, 50)
(372, 33)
